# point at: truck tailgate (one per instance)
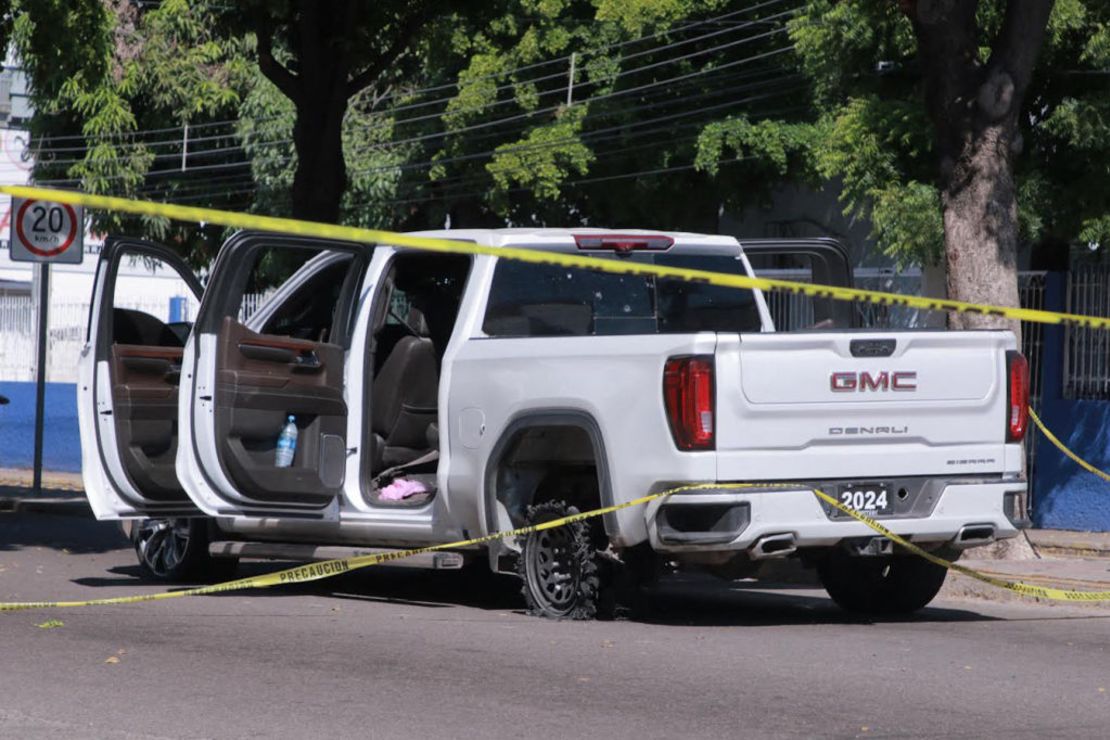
(822, 405)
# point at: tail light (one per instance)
(1017, 384)
(688, 395)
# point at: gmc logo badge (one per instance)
(848, 382)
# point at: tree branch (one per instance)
(947, 47)
(404, 36)
(275, 72)
(1018, 43)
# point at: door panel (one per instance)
(144, 396)
(246, 371)
(260, 381)
(129, 374)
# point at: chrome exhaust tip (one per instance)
(773, 546)
(975, 534)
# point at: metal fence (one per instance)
(66, 333)
(1031, 286)
(1086, 362)
(1087, 351)
(791, 311)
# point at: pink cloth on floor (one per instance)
(401, 489)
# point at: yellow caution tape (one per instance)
(374, 236)
(326, 568)
(329, 568)
(1018, 587)
(1060, 446)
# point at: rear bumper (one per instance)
(965, 514)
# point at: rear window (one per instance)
(530, 300)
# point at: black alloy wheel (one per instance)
(176, 549)
(558, 566)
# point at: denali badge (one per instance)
(836, 431)
(847, 382)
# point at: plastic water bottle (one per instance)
(287, 444)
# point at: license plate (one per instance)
(872, 499)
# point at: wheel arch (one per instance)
(532, 421)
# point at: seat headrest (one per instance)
(417, 322)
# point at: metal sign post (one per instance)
(40, 369)
(43, 233)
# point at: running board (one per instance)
(310, 553)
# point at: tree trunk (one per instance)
(321, 176)
(320, 82)
(975, 107)
(981, 230)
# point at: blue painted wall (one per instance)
(61, 437)
(1065, 496)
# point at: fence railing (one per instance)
(1086, 362)
(66, 331)
(1087, 351)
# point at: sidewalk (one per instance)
(1061, 543)
(1069, 573)
(62, 493)
(1078, 561)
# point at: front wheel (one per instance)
(894, 584)
(173, 550)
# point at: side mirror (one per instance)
(3, 400)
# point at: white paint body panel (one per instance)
(779, 419)
(110, 492)
(774, 409)
(799, 513)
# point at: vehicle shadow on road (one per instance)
(430, 589)
(78, 535)
(698, 603)
(679, 600)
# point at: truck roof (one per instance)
(564, 237)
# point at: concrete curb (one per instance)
(1070, 573)
(48, 504)
(1063, 543)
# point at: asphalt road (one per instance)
(396, 653)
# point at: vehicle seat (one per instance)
(404, 398)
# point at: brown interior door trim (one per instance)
(297, 345)
(158, 353)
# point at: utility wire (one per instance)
(501, 74)
(593, 137)
(387, 146)
(177, 144)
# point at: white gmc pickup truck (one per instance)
(440, 397)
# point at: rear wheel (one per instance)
(559, 566)
(894, 584)
(174, 550)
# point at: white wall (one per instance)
(139, 286)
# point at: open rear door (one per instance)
(143, 299)
(248, 371)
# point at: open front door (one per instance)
(143, 299)
(248, 371)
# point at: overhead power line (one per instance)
(586, 137)
(523, 117)
(44, 144)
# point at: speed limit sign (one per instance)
(42, 231)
